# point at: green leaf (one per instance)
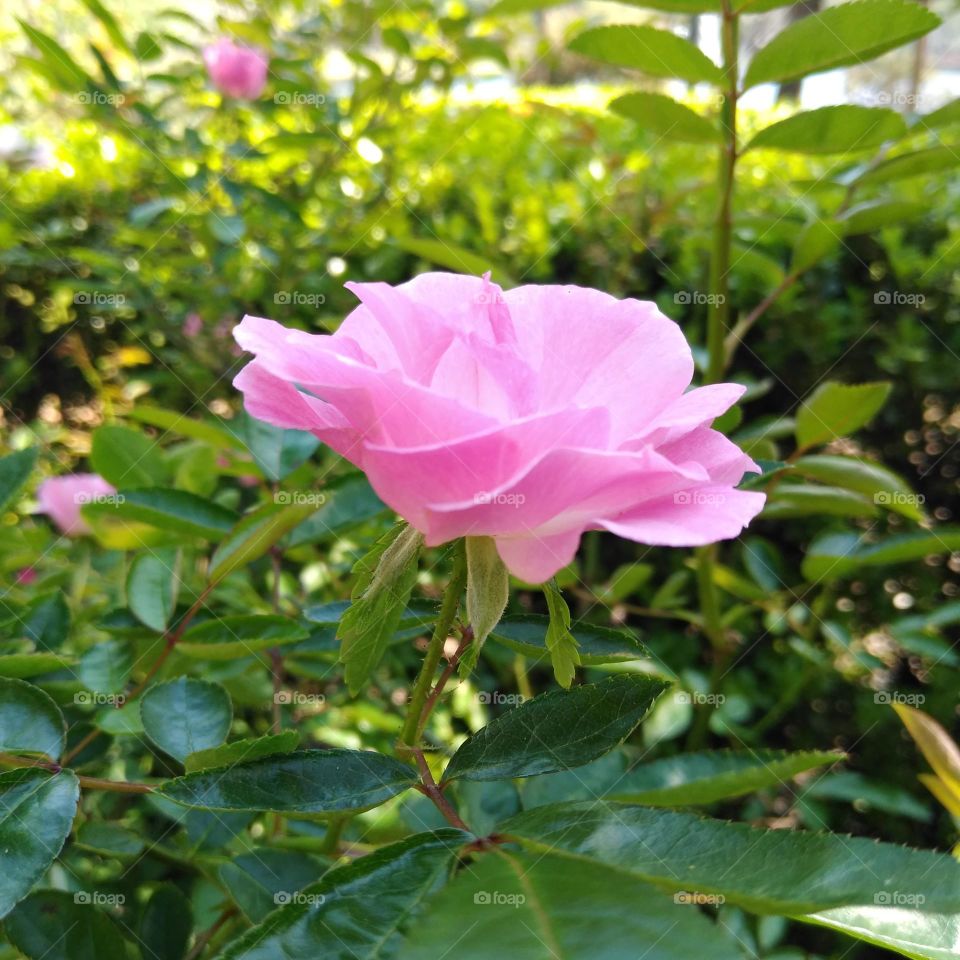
(561, 644)
(385, 579)
(168, 420)
(64, 71)
(242, 751)
(359, 911)
(278, 452)
(515, 905)
(261, 881)
(815, 241)
(109, 839)
(765, 871)
(837, 37)
(305, 782)
(127, 458)
(30, 722)
(915, 164)
(36, 812)
(47, 622)
(527, 634)
(508, 7)
(105, 668)
(239, 635)
(346, 504)
(805, 500)
(57, 925)
(166, 924)
(943, 116)
(831, 130)
(255, 534)
(556, 730)
(146, 47)
(877, 214)
(837, 409)
(22, 666)
(665, 117)
(658, 53)
(109, 23)
(152, 588)
(443, 253)
(488, 586)
(175, 511)
(185, 715)
(924, 936)
(695, 778)
(835, 555)
(15, 470)
(883, 486)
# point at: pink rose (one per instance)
(236, 71)
(62, 497)
(529, 415)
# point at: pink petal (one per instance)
(535, 558)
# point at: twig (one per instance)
(430, 788)
(448, 670)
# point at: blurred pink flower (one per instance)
(192, 324)
(236, 71)
(529, 415)
(62, 497)
(26, 576)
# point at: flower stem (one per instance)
(448, 610)
(430, 788)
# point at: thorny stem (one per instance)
(430, 788)
(448, 611)
(435, 694)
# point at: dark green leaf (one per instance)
(839, 554)
(242, 751)
(57, 925)
(556, 730)
(152, 588)
(263, 880)
(109, 839)
(815, 241)
(30, 722)
(836, 410)
(345, 505)
(877, 214)
(15, 470)
(47, 622)
(839, 36)
(185, 715)
(109, 23)
(306, 782)
(915, 164)
(527, 633)
(695, 778)
(359, 911)
(831, 130)
(22, 666)
(804, 500)
(217, 436)
(385, 579)
(166, 925)
(127, 458)
(277, 452)
(515, 905)
(255, 534)
(36, 812)
(176, 511)
(239, 635)
(658, 53)
(665, 117)
(766, 871)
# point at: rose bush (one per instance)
(528, 415)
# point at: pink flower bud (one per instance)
(236, 71)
